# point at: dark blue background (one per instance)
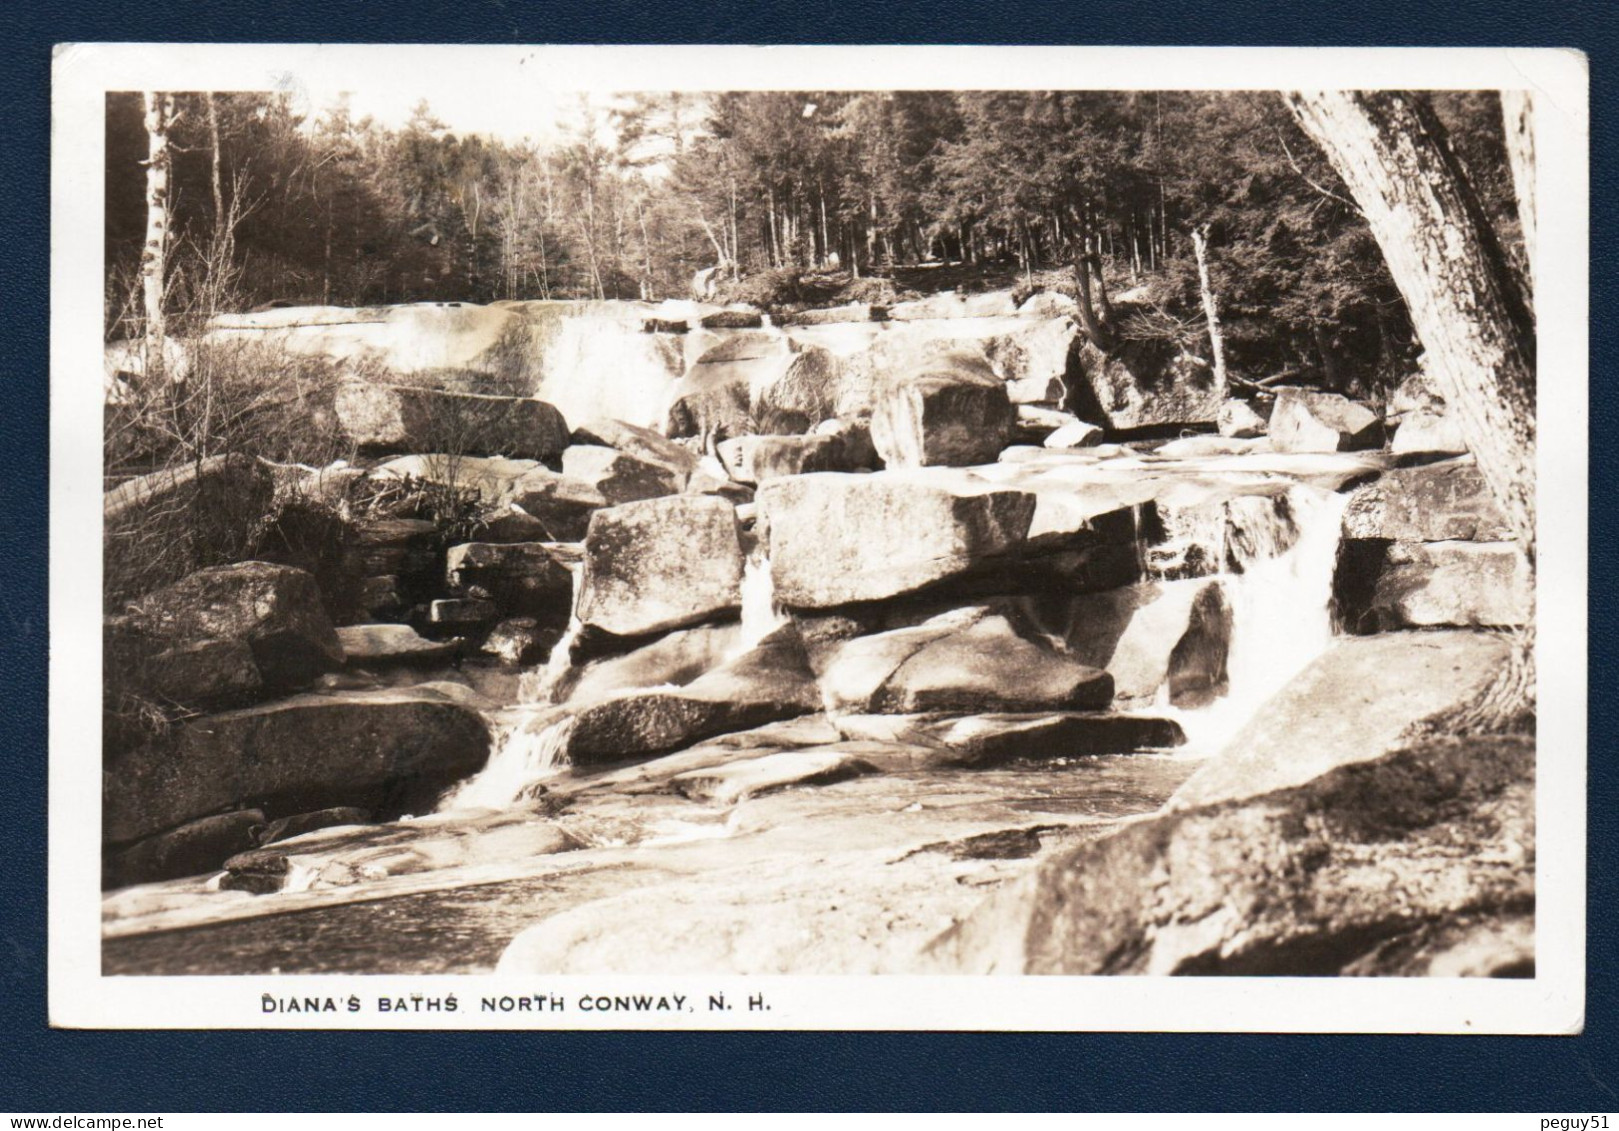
(45, 1071)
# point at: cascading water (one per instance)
(523, 755)
(1282, 552)
(539, 686)
(760, 614)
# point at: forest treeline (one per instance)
(641, 194)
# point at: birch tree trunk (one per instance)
(159, 113)
(1211, 307)
(1467, 308)
(1518, 118)
(1465, 302)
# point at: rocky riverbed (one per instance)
(836, 647)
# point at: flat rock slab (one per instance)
(737, 781)
(392, 644)
(1351, 704)
(837, 539)
(395, 418)
(900, 742)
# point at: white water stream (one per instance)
(1280, 596)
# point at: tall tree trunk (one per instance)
(1465, 303)
(159, 113)
(1211, 306)
(1518, 113)
(1467, 308)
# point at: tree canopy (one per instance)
(648, 189)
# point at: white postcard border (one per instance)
(80, 997)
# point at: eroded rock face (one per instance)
(951, 411)
(275, 609)
(837, 539)
(384, 750)
(395, 418)
(660, 564)
(1306, 420)
(1327, 877)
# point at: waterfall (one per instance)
(523, 755)
(600, 364)
(1282, 552)
(760, 614)
(539, 686)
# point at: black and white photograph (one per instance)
(621, 537)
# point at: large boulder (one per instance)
(769, 682)
(1437, 502)
(1427, 431)
(619, 476)
(1381, 586)
(1307, 420)
(522, 578)
(1140, 386)
(389, 751)
(1240, 420)
(659, 564)
(1352, 703)
(1349, 873)
(395, 418)
(1153, 634)
(276, 610)
(951, 411)
(960, 662)
(836, 539)
(197, 674)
